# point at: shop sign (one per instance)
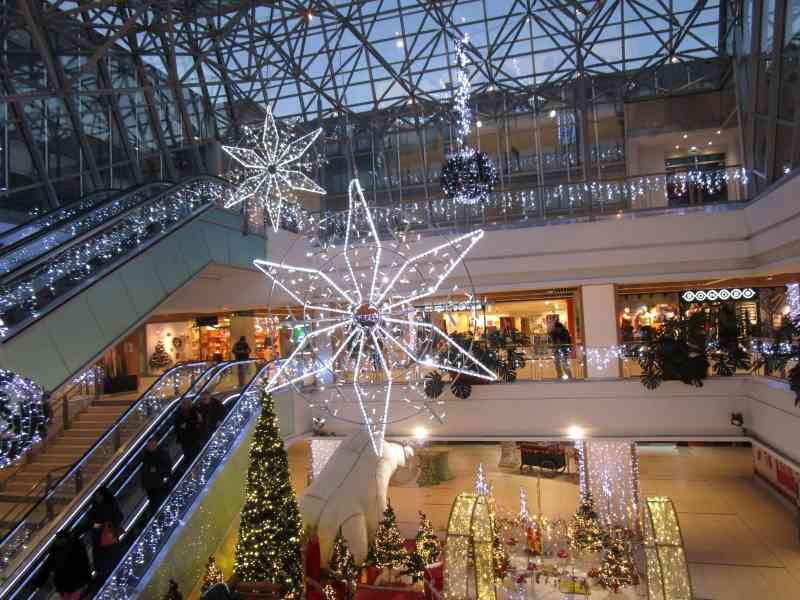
(453, 306)
(722, 294)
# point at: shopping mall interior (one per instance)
(409, 300)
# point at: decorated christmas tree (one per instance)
(500, 560)
(160, 359)
(389, 548)
(584, 530)
(415, 567)
(213, 575)
(427, 542)
(482, 487)
(617, 570)
(173, 593)
(268, 549)
(342, 565)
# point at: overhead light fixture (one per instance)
(719, 131)
(676, 146)
(553, 114)
(399, 43)
(420, 433)
(693, 148)
(709, 142)
(576, 432)
(685, 135)
(479, 124)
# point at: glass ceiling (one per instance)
(310, 59)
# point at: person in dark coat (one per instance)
(211, 412)
(156, 471)
(241, 351)
(69, 565)
(105, 517)
(562, 343)
(189, 431)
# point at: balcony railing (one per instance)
(608, 198)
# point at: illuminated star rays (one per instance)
(274, 169)
(362, 329)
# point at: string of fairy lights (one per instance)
(23, 416)
(27, 296)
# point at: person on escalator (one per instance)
(69, 565)
(241, 351)
(105, 517)
(156, 471)
(189, 431)
(211, 412)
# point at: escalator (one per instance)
(226, 380)
(76, 280)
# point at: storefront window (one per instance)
(268, 338)
(643, 315)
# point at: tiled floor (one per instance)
(741, 542)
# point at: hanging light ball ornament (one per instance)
(468, 176)
(23, 416)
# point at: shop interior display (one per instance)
(351, 493)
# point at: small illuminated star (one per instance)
(274, 169)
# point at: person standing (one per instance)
(562, 343)
(211, 413)
(241, 351)
(69, 565)
(156, 472)
(105, 517)
(189, 431)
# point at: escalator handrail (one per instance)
(77, 464)
(186, 472)
(91, 201)
(121, 260)
(119, 466)
(47, 256)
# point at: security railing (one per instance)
(53, 278)
(46, 505)
(141, 555)
(610, 197)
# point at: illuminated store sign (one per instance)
(453, 306)
(723, 294)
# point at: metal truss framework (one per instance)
(139, 87)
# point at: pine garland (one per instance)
(269, 535)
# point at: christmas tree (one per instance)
(617, 570)
(500, 559)
(213, 575)
(415, 567)
(427, 542)
(482, 487)
(269, 534)
(160, 359)
(584, 531)
(389, 548)
(173, 593)
(342, 565)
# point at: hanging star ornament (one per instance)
(363, 329)
(274, 169)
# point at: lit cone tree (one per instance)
(617, 570)
(268, 549)
(342, 565)
(213, 575)
(389, 548)
(427, 542)
(584, 531)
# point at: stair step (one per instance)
(115, 404)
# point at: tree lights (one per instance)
(362, 328)
(273, 168)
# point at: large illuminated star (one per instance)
(273, 169)
(366, 316)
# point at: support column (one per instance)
(600, 325)
(609, 470)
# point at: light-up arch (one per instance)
(667, 572)
(470, 529)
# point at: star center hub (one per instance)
(366, 315)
